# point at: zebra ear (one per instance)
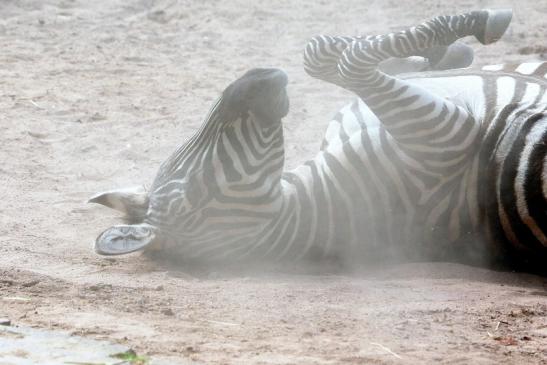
(132, 201)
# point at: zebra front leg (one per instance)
(322, 53)
(431, 127)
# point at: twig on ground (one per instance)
(386, 349)
(16, 299)
(221, 323)
(35, 104)
(498, 324)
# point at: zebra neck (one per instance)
(303, 227)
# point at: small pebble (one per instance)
(5, 322)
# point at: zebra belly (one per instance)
(371, 204)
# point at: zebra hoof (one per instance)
(123, 239)
(497, 22)
(457, 55)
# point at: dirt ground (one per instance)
(95, 94)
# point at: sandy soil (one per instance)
(95, 94)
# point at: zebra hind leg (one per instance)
(358, 64)
(322, 52)
(409, 113)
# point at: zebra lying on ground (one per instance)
(433, 165)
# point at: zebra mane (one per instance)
(175, 163)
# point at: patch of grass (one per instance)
(131, 357)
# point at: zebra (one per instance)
(438, 164)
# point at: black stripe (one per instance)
(230, 172)
(404, 115)
(508, 173)
(375, 217)
(395, 104)
(427, 124)
(279, 243)
(341, 217)
(305, 207)
(412, 190)
(273, 170)
(533, 182)
(392, 203)
(541, 71)
(323, 217)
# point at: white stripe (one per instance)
(350, 124)
(506, 89)
(528, 68)
(493, 67)
(533, 138)
(532, 92)
(332, 136)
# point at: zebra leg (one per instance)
(322, 53)
(425, 125)
(456, 55)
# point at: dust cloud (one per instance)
(95, 95)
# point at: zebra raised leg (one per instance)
(322, 53)
(426, 126)
(457, 55)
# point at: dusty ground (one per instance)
(95, 94)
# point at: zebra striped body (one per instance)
(457, 212)
(434, 165)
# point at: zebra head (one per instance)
(225, 182)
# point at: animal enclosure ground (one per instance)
(96, 94)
